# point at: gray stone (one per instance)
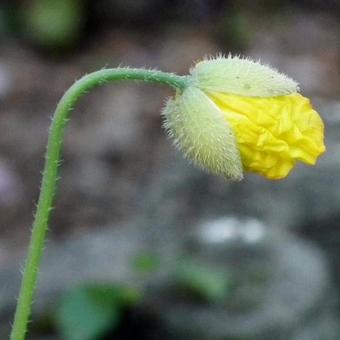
(293, 301)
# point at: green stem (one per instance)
(50, 174)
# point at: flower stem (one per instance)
(50, 174)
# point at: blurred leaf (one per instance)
(87, 312)
(3, 21)
(51, 23)
(234, 29)
(7, 20)
(146, 262)
(203, 282)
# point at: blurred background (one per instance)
(142, 244)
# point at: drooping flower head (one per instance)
(238, 114)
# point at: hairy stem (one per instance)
(50, 174)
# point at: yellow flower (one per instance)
(273, 133)
(238, 114)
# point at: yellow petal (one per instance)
(274, 132)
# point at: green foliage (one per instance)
(52, 24)
(3, 22)
(88, 312)
(235, 29)
(203, 282)
(146, 263)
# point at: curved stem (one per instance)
(50, 174)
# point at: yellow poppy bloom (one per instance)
(273, 132)
(238, 115)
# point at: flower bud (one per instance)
(201, 131)
(274, 126)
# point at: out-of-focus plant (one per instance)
(234, 29)
(51, 24)
(7, 20)
(3, 22)
(228, 115)
(203, 283)
(88, 312)
(146, 262)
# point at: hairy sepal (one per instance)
(199, 129)
(240, 76)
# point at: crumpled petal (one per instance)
(274, 132)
